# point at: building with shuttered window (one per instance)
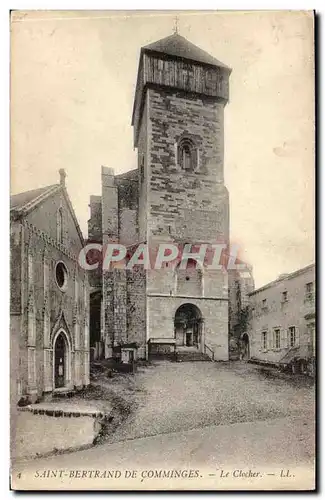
(281, 326)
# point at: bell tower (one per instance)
(178, 121)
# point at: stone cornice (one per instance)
(167, 296)
(50, 241)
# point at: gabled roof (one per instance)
(23, 203)
(18, 201)
(178, 46)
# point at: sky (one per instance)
(73, 77)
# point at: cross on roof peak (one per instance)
(176, 25)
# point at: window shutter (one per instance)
(282, 338)
(297, 336)
(270, 336)
(285, 342)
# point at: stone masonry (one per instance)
(44, 235)
(176, 195)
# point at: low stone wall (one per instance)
(41, 432)
(61, 413)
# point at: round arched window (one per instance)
(187, 154)
(61, 275)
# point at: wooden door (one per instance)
(59, 363)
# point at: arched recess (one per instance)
(61, 346)
(188, 323)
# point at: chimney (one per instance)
(62, 176)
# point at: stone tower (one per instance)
(178, 120)
(175, 195)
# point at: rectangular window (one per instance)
(309, 291)
(292, 336)
(264, 341)
(276, 338)
(284, 296)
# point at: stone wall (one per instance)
(128, 195)
(95, 236)
(95, 221)
(125, 308)
(45, 308)
(108, 313)
(120, 291)
(16, 243)
(161, 315)
(234, 303)
(109, 206)
(187, 205)
(241, 284)
(44, 217)
(15, 390)
(143, 173)
(166, 281)
(136, 308)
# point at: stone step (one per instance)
(65, 393)
(192, 356)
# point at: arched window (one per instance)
(59, 226)
(187, 155)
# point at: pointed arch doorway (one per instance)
(62, 360)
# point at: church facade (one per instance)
(49, 311)
(176, 195)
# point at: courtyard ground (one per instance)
(174, 397)
(203, 416)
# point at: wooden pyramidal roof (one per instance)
(178, 46)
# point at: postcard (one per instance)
(162, 248)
